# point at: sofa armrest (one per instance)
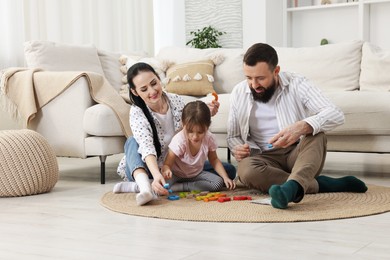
(61, 120)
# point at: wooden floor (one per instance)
(69, 223)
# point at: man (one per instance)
(276, 131)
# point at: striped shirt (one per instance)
(296, 99)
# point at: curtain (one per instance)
(112, 25)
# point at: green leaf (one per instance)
(204, 38)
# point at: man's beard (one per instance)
(265, 96)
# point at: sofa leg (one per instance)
(228, 155)
(103, 168)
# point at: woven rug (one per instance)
(314, 207)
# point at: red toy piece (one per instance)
(223, 199)
(242, 198)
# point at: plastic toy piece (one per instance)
(242, 198)
(223, 199)
(210, 199)
(173, 197)
(270, 146)
(166, 185)
(215, 96)
(184, 194)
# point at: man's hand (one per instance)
(241, 151)
(290, 135)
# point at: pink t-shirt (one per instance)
(188, 166)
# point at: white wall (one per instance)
(262, 22)
(169, 23)
(378, 22)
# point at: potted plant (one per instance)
(205, 38)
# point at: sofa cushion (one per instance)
(219, 121)
(330, 67)
(374, 61)
(111, 66)
(191, 78)
(129, 60)
(100, 120)
(62, 57)
(227, 72)
(366, 113)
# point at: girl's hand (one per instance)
(166, 172)
(158, 185)
(231, 185)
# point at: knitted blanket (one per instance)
(24, 91)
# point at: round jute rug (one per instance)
(314, 207)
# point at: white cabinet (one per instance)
(306, 22)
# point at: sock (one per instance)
(281, 195)
(145, 189)
(126, 186)
(344, 184)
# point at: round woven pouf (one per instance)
(28, 164)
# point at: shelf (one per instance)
(315, 7)
(367, 2)
(362, 20)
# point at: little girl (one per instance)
(188, 151)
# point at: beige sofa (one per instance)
(354, 75)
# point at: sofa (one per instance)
(354, 75)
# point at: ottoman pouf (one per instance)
(28, 164)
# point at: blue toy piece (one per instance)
(270, 146)
(166, 185)
(173, 197)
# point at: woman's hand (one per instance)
(214, 106)
(158, 185)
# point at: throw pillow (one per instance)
(374, 60)
(129, 60)
(62, 57)
(331, 67)
(111, 66)
(191, 78)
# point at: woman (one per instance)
(155, 117)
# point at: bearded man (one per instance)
(276, 131)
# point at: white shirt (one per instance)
(166, 122)
(296, 99)
(263, 124)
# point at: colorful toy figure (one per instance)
(170, 197)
